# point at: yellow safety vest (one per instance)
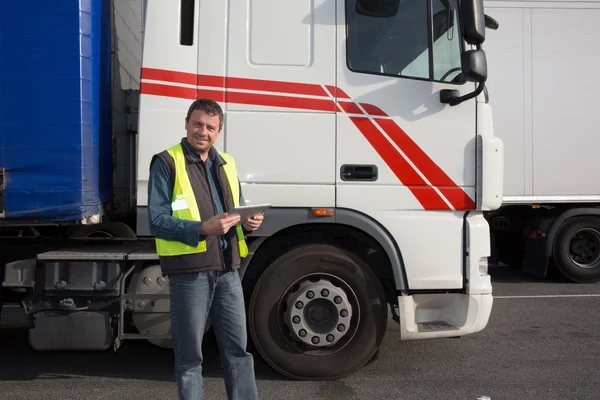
(185, 206)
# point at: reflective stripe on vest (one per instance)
(184, 205)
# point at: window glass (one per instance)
(399, 45)
(389, 46)
(446, 41)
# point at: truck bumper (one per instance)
(432, 316)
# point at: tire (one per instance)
(352, 348)
(577, 249)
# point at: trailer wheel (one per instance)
(577, 249)
(317, 312)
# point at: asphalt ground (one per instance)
(542, 343)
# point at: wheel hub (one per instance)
(584, 248)
(318, 313)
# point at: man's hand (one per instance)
(253, 223)
(219, 224)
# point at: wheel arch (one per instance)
(115, 230)
(284, 225)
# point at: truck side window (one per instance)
(446, 41)
(400, 45)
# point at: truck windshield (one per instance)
(400, 45)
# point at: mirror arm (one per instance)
(454, 101)
(491, 23)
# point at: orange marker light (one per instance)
(322, 212)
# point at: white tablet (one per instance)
(246, 212)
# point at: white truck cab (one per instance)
(366, 126)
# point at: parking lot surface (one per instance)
(542, 343)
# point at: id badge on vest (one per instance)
(180, 203)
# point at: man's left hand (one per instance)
(254, 222)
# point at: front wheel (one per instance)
(317, 312)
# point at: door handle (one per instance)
(354, 172)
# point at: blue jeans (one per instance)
(193, 298)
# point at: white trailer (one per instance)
(541, 86)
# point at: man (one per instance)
(191, 188)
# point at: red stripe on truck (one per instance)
(429, 198)
(169, 76)
(221, 82)
(434, 174)
(337, 92)
(425, 194)
(280, 101)
(167, 90)
(271, 86)
(373, 110)
(350, 107)
(238, 97)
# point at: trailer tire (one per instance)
(345, 283)
(577, 249)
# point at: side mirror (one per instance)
(474, 65)
(474, 69)
(377, 8)
(473, 21)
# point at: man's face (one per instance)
(202, 130)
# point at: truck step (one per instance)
(436, 326)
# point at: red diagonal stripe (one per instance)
(456, 195)
(407, 175)
(340, 93)
(373, 110)
(425, 194)
(337, 92)
(350, 107)
(459, 199)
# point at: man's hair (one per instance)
(209, 106)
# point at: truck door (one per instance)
(279, 54)
(400, 151)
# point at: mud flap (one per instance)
(535, 262)
(536, 238)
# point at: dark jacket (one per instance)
(213, 196)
